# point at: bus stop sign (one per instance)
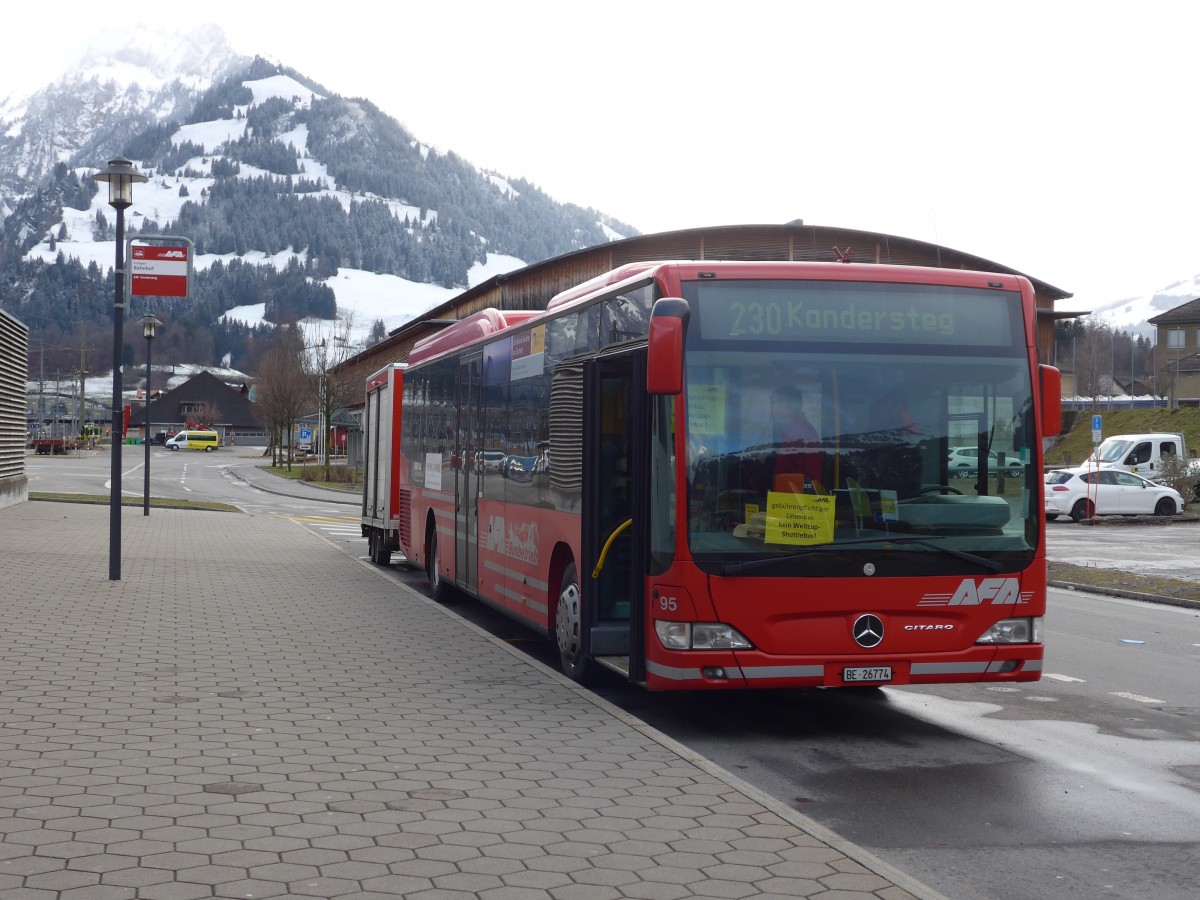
(159, 271)
(1096, 422)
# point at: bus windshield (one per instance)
(822, 451)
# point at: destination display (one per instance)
(853, 312)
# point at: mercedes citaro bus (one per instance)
(615, 472)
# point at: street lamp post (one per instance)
(120, 175)
(149, 325)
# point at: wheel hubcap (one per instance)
(567, 622)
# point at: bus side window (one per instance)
(560, 340)
(587, 336)
(627, 316)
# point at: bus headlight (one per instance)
(1014, 631)
(699, 636)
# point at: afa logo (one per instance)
(997, 590)
(516, 540)
(970, 592)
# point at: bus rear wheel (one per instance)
(568, 626)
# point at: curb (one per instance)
(1128, 595)
(335, 496)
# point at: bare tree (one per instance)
(206, 414)
(334, 390)
(282, 388)
(1166, 382)
(1093, 361)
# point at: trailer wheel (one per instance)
(378, 551)
(568, 627)
(433, 573)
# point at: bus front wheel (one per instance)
(432, 572)
(568, 626)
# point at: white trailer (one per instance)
(382, 417)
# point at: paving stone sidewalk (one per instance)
(251, 713)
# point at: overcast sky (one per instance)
(1051, 137)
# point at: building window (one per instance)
(1175, 339)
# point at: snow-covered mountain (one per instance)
(115, 92)
(1132, 315)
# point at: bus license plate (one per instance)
(868, 673)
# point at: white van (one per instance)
(1139, 453)
(208, 441)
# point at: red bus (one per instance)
(717, 475)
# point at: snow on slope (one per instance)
(1132, 314)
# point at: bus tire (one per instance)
(568, 626)
(437, 586)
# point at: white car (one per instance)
(1085, 492)
(963, 462)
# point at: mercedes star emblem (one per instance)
(868, 631)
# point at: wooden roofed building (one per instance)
(204, 399)
(532, 287)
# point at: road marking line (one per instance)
(1069, 678)
(1138, 697)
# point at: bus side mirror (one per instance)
(664, 353)
(1051, 380)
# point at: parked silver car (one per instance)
(963, 462)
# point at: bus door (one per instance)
(615, 531)
(468, 450)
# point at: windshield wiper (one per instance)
(763, 562)
(983, 561)
(734, 568)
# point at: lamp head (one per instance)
(149, 326)
(120, 175)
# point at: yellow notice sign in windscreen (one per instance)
(799, 518)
